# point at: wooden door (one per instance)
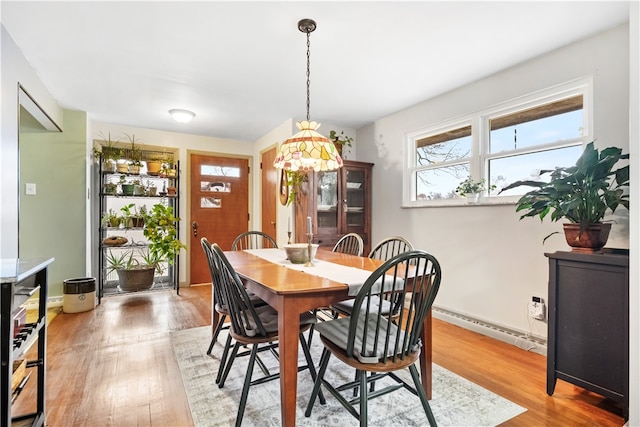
(269, 191)
(219, 206)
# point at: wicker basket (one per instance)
(114, 241)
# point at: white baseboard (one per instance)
(520, 339)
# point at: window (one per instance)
(507, 143)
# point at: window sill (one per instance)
(462, 202)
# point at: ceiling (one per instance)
(241, 66)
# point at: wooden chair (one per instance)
(350, 244)
(252, 326)
(253, 240)
(222, 310)
(372, 341)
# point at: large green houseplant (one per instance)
(581, 194)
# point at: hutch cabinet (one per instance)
(588, 336)
(20, 280)
(124, 195)
(338, 202)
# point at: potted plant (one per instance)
(131, 218)
(340, 140)
(154, 163)
(127, 187)
(108, 152)
(110, 188)
(582, 194)
(136, 269)
(132, 275)
(472, 189)
(135, 155)
(295, 179)
(110, 219)
(160, 229)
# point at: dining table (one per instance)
(293, 289)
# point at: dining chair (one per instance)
(252, 326)
(390, 247)
(253, 240)
(221, 309)
(374, 342)
(350, 243)
(384, 250)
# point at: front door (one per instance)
(219, 206)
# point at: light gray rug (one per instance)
(455, 402)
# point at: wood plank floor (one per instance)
(115, 366)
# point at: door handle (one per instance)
(272, 222)
(194, 227)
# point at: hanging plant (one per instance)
(295, 179)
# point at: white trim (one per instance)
(480, 156)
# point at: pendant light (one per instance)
(307, 150)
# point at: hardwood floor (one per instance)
(115, 366)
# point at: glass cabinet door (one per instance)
(355, 199)
(327, 199)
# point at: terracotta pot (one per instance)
(338, 147)
(590, 240)
(153, 167)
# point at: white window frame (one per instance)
(480, 131)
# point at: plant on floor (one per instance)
(120, 261)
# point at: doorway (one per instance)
(269, 189)
(219, 202)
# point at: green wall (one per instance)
(52, 223)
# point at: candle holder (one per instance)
(309, 248)
(288, 237)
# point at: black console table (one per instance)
(588, 336)
(20, 279)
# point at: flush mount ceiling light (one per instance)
(307, 150)
(182, 116)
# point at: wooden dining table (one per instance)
(292, 292)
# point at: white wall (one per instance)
(492, 262)
(15, 69)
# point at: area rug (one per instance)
(456, 401)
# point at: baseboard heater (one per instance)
(520, 339)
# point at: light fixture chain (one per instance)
(308, 71)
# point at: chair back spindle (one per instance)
(390, 247)
(253, 240)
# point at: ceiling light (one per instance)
(182, 116)
(307, 150)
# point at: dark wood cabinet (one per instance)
(339, 202)
(588, 337)
(21, 279)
